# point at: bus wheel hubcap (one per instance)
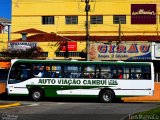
(36, 95)
(106, 97)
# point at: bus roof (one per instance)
(76, 62)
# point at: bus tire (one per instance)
(36, 94)
(107, 96)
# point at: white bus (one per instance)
(104, 79)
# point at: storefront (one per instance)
(125, 51)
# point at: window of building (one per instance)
(70, 54)
(96, 19)
(71, 19)
(41, 54)
(47, 19)
(117, 18)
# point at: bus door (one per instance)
(18, 77)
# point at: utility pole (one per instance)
(119, 32)
(66, 49)
(9, 34)
(87, 9)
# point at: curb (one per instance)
(10, 105)
(142, 101)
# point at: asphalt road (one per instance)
(73, 110)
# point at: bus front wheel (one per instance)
(36, 94)
(106, 96)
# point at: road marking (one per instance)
(34, 104)
(61, 103)
(10, 105)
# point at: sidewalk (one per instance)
(154, 98)
(6, 104)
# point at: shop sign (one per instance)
(21, 45)
(72, 46)
(123, 51)
(143, 13)
(157, 50)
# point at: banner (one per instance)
(143, 13)
(123, 51)
(72, 46)
(22, 45)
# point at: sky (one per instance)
(5, 9)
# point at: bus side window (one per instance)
(48, 71)
(120, 73)
(146, 72)
(136, 72)
(53, 74)
(89, 71)
(126, 72)
(39, 70)
(140, 76)
(114, 74)
(106, 72)
(134, 76)
(146, 76)
(72, 71)
(56, 71)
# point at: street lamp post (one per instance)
(119, 41)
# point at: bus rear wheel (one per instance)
(106, 96)
(37, 94)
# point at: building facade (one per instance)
(68, 17)
(117, 30)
